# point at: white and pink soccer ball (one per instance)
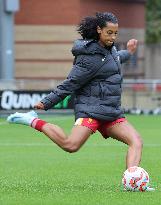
(135, 179)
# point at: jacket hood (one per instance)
(82, 46)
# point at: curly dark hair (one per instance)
(88, 26)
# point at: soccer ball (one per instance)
(135, 179)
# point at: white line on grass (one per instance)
(49, 145)
(3, 123)
(58, 119)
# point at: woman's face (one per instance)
(108, 34)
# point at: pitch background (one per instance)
(35, 171)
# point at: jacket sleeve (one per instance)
(124, 55)
(83, 70)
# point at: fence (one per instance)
(143, 95)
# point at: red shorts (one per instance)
(99, 125)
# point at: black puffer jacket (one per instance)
(95, 79)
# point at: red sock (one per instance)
(38, 124)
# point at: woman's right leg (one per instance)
(71, 143)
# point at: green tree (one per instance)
(153, 19)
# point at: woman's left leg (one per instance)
(126, 133)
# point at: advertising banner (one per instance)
(10, 99)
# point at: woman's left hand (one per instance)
(132, 45)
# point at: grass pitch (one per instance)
(34, 171)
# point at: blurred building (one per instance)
(45, 31)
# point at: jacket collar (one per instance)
(82, 46)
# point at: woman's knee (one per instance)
(137, 141)
(71, 147)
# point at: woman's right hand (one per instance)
(39, 106)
